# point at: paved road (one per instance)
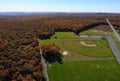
(118, 37)
(114, 48)
(44, 64)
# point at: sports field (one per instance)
(76, 50)
(77, 65)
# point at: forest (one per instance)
(20, 58)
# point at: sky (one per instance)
(112, 6)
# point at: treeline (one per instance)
(44, 27)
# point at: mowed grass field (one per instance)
(68, 41)
(76, 49)
(85, 71)
(65, 35)
(93, 32)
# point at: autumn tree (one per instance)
(51, 53)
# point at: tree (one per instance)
(51, 53)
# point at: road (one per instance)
(44, 64)
(118, 37)
(114, 48)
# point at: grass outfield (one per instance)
(85, 71)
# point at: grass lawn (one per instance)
(85, 71)
(118, 31)
(108, 70)
(75, 49)
(68, 41)
(65, 35)
(93, 32)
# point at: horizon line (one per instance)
(56, 12)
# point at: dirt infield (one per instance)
(88, 45)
